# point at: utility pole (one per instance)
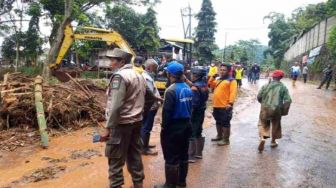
(186, 12)
(224, 52)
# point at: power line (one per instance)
(244, 28)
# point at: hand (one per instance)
(104, 136)
(184, 77)
(159, 98)
(228, 107)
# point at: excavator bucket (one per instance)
(62, 73)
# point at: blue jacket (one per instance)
(177, 103)
(200, 94)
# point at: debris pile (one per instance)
(67, 106)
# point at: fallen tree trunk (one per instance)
(40, 112)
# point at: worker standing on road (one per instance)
(275, 102)
(126, 95)
(213, 70)
(305, 73)
(328, 73)
(223, 99)
(200, 96)
(255, 70)
(295, 72)
(151, 67)
(176, 128)
(239, 75)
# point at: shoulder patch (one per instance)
(115, 82)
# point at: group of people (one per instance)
(236, 71)
(253, 73)
(133, 102)
(327, 75)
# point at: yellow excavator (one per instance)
(96, 34)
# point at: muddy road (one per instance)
(305, 157)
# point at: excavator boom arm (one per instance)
(110, 38)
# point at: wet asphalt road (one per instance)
(305, 157)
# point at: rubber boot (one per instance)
(192, 151)
(226, 137)
(146, 150)
(172, 176)
(219, 134)
(199, 147)
(138, 184)
(261, 144)
(183, 172)
(274, 143)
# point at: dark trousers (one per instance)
(249, 77)
(254, 77)
(175, 142)
(197, 120)
(147, 124)
(223, 117)
(124, 145)
(305, 77)
(327, 80)
(239, 82)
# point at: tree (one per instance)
(149, 32)
(331, 7)
(63, 12)
(303, 18)
(6, 6)
(54, 47)
(205, 32)
(280, 35)
(8, 49)
(32, 41)
(244, 51)
(125, 21)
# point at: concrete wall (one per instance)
(317, 36)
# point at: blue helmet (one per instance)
(176, 69)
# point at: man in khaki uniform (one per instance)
(126, 95)
(275, 103)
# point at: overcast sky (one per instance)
(241, 19)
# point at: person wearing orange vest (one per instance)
(225, 94)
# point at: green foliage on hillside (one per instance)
(283, 31)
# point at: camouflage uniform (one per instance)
(126, 95)
(275, 102)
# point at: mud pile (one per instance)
(70, 105)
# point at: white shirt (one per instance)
(151, 85)
(295, 69)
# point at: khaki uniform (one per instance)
(275, 102)
(126, 95)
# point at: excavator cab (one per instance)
(181, 51)
(62, 70)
